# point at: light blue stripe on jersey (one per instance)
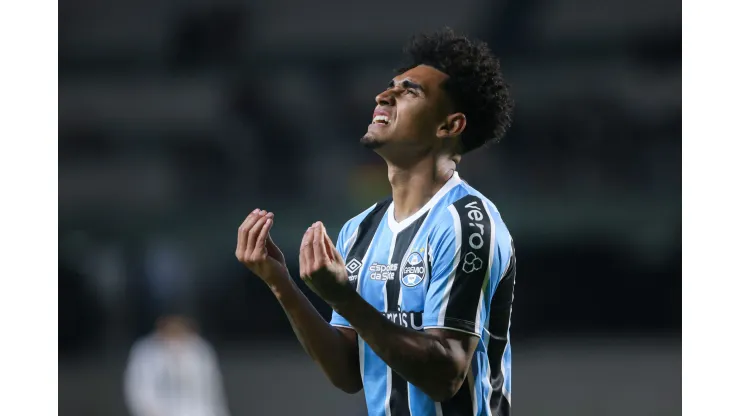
(375, 382)
(506, 368)
(345, 240)
(505, 253)
(376, 378)
(500, 262)
(347, 233)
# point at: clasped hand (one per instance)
(322, 267)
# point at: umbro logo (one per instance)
(353, 266)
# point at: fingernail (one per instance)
(256, 211)
(262, 212)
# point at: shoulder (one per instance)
(470, 216)
(144, 346)
(351, 225)
(203, 347)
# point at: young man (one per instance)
(421, 283)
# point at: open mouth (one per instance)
(380, 119)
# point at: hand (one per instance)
(322, 267)
(256, 250)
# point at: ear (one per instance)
(453, 126)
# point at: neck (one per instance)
(414, 185)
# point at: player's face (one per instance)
(410, 111)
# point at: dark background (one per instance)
(177, 118)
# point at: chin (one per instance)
(370, 142)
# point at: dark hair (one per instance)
(476, 85)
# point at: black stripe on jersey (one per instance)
(504, 408)
(498, 327)
(461, 403)
(365, 233)
(403, 242)
(399, 402)
(475, 247)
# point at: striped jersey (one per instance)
(450, 265)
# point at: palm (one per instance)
(322, 267)
(273, 252)
(256, 250)
(273, 261)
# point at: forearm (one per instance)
(336, 356)
(420, 358)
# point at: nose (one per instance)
(387, 97)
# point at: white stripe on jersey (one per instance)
(351, 241)
(389, 372)
(455, 263)
(506, 393)
(361, 347)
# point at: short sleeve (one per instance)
(461, 261)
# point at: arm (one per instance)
(435, 360)
(333, 349)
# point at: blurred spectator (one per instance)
(174, 372)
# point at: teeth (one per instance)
(380, 119)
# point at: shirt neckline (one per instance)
(396, 226)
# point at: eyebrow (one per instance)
(406, 83)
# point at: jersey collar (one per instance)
(398, 226)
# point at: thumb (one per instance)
(270, 243)
(273, 250)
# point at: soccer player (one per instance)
(421, 284)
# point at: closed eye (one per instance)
(408, 86)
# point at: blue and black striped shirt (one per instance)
(450, 265)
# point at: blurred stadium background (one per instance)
(177, 118)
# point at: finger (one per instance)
(321, 256)
(302, 255)
(331, 248)
(241, 239)
(269, 237)
(254, 232)
(272, 249)
(308, 251)
(261, 244)
(327, 243)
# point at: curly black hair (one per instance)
(475, 84)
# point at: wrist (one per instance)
(343, 302)
(279, 283)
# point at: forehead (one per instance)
(428, 77)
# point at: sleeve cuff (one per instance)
(453, 324)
